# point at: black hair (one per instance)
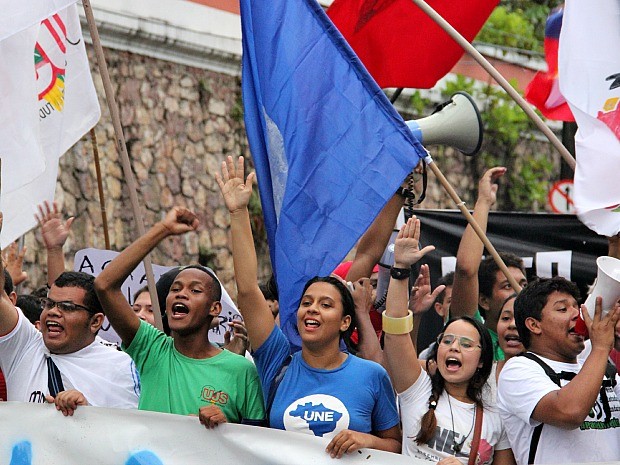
(270, 289)
(534, 297)
(30, 307)
(475, 386)
(81, 281)
(348, 305)
(140, 291)
(446, 280)
(8, 282)
(487, 272)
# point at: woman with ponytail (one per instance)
(444, 416)
(320, 390)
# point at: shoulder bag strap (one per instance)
(473, 451)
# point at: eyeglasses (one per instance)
(64, 306)
(466, 344)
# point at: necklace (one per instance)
(457, 446)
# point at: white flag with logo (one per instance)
(48, 103)
(589, 72)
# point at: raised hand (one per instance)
(235, 191)
(407, 245)
(180, 220)
(601, 328)
(362, 296)
(14, 259)
(53, 229)
(487, 186)
(421, 298)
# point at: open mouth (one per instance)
(179, 310)
(573, 332)
(512, 340)
(53, 327)
(311, 323)
(453, 364)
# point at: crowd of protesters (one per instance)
(508, 380)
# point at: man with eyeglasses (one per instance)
(63, 363)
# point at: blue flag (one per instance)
(328, 147)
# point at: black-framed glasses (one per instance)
(64, 306)
(466, 344)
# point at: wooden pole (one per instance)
(474, 224)
(122, 150)
(476, 55)
(104, 215)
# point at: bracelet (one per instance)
(402, 325)
(400, 273)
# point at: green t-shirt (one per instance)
(498, 353)
(174, 383)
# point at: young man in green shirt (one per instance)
(183, 374)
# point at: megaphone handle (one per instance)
(474, 224)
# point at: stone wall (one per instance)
(179, 123)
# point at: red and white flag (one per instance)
(48, 103)
(589, 69)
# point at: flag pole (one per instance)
(476, 55)
(104, 214)
(122, 150)
(474, 224)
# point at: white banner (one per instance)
(37, 434)
(48, 103)
(19, 15)
(93, 261)
(589, 71)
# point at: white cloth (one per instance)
(522, 383)
(106, 377)
(414, 404)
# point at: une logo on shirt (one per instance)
(319, 414)
(209, 394)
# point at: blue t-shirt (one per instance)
(357, 395)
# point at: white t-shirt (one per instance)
(522, 383)
(106, 377)
(414, 404)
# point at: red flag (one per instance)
(399, 44)
(544, 90)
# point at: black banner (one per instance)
(549, 244)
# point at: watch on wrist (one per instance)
(400, 273)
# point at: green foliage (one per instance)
(507, 128)
(510, 29)
(420, 104)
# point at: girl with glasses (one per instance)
(439, 411)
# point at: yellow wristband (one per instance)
(402, 325)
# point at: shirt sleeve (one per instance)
(147, 342)
(503, 442)
(13, 344)
(269, 357)
(522, 383)
(385, 413)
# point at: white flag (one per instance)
(49, 103)
(17, 16)
(589, 72)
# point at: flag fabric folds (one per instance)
(589, 65)
(328, 147)
(17, 16)
(48, 103)
(400, 45)
(544, 90)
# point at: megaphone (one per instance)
(456, 123)
(606, 285)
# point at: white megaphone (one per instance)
(606, 285)
(456, 123)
